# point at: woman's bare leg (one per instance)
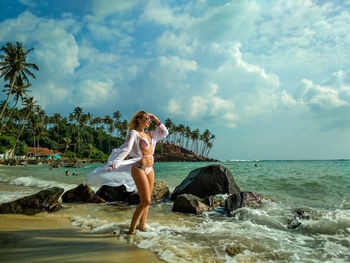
(142, 185)
(142, 223)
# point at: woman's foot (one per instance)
(131, 232)
(143, 229)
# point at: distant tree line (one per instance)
(24, 123)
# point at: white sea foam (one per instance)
(259, 233)
(6, 196)
(35, 182)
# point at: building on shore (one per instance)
(42, 153)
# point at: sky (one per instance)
(271, 79)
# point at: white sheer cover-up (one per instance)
(122, 174)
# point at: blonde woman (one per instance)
(136, 172)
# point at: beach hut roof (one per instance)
(40, 151)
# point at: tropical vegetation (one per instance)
(24, 123)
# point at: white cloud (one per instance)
(92, 92)
(239, 63)
(157, 12)
(174, 107)
(30, 3)
(103, 8)
(181, 43)
(322, 96)
(211, 105)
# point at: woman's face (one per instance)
(145, 121)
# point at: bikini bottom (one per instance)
(143, 167)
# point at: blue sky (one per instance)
(271, 79)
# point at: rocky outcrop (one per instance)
(188, 203)
(173, 153)
(45, 200)
(81, 194)
(207, 181)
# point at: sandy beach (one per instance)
(54, 239)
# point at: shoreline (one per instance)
(41, 238)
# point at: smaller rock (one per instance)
(302, 214)
(96, 200)
(245, 199)
(81, 193)
(233, 202)
(113, 193)
(233, 251)
(188, 203)
(134, 198)
(251, 199)
(160, 191)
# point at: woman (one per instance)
(140, 145)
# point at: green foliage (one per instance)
(7, 141)
(2, 149)
(159, 149)
(21, 149)
(98, 155)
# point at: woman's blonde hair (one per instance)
(134, 122)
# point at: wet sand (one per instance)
(54, 239)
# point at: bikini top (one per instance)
(145, 142)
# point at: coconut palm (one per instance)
(67, 142)
(117, 116)
(169, 124)
(195, 136)
(108, 121)
(29, 107)
(20, 91)
(56, 118)
(13, 63)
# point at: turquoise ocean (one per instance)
(320, 187)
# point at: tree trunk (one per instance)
(8, 96)
(19, 135)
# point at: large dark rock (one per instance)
(113, 193)
(207, 181)
(187, 203)
(119, 193)
(44, 200)
(245, 199)
(81, 194)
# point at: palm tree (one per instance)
(68, 142)
(56, 118)
(181, 130)
(29, 107)
(124, 128)
(195, 137)
(13, 64)
(77, 113)
(110, 128)
(205, 140)
(169, 124)
(19, 90)
(117, 116)
(187, 135)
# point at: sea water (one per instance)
(261, 234)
